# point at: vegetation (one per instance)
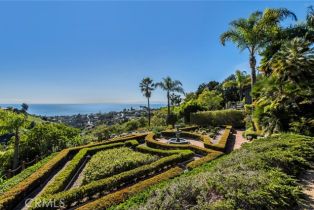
(107, 163)
(253, 33)
(218, 118)
(147, 86)
(258, 176)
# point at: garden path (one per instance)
(239, 139)
(308, 188)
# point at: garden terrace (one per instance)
(147, 165)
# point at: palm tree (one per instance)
(241, 81)
(170, 86)
(255, 32)
(147, 86)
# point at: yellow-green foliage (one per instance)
(107, 163)
(121, 195)
(222, 143)
(218, 118)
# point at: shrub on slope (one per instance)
(260, 175)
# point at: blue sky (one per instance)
(94, 52)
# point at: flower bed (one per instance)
(121, 195)
(109, 162)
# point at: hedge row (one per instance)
(190, 128)
(151, 142)
(121, 195)
(219, 118)
(203, 160)
(65, 176)
(155, 151)
(222, 143)
(110, 183)
(10, 183)
(11, 197)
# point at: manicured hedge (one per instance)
(222, 143)
(151, 142)
(108, 184)
(219, 118)
(190, 128)
(121, 195)
(203, 160)
(11, 197)
(65, 176)
(154, 151)
(10, 183)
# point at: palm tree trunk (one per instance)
(253, 70)
(16, 149)
(168, 98)
(148, 106)
(240, 93)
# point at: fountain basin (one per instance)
(178, 141)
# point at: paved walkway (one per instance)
(307, 181)
(239, 139)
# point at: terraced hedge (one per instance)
(203, 160)
(261, 175)
(121, 195)
(222, 143)
(11, 197)
(108, 184)
(110, 162)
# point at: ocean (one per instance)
(73, 109)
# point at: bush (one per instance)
(10, 183)
(260, 175)
(121, 195)
(219, 118)
(109, 162)
(222, 143)
(107, 184)
(11, 197)
(203, 160)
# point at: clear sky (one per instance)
(94, 52)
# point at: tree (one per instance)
(210, 100)
(254, 32)
(147, 86)
(170, 86)
(241, 81)
(12, 122)
(175, 100)
(284, 99)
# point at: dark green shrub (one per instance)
(219, 118)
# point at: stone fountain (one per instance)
(177, 139)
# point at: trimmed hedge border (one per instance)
(10, 198)
(70, 196)
(121, 195)
(15, 180)
(151, 142)
(64, 177)
(203, 160)
(221, 145)
(145, 149)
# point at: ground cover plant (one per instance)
(260, 175)
(107, 163)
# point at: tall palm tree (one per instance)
(147, 86)
(255, 32)
(241, 81)
(170, 86)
